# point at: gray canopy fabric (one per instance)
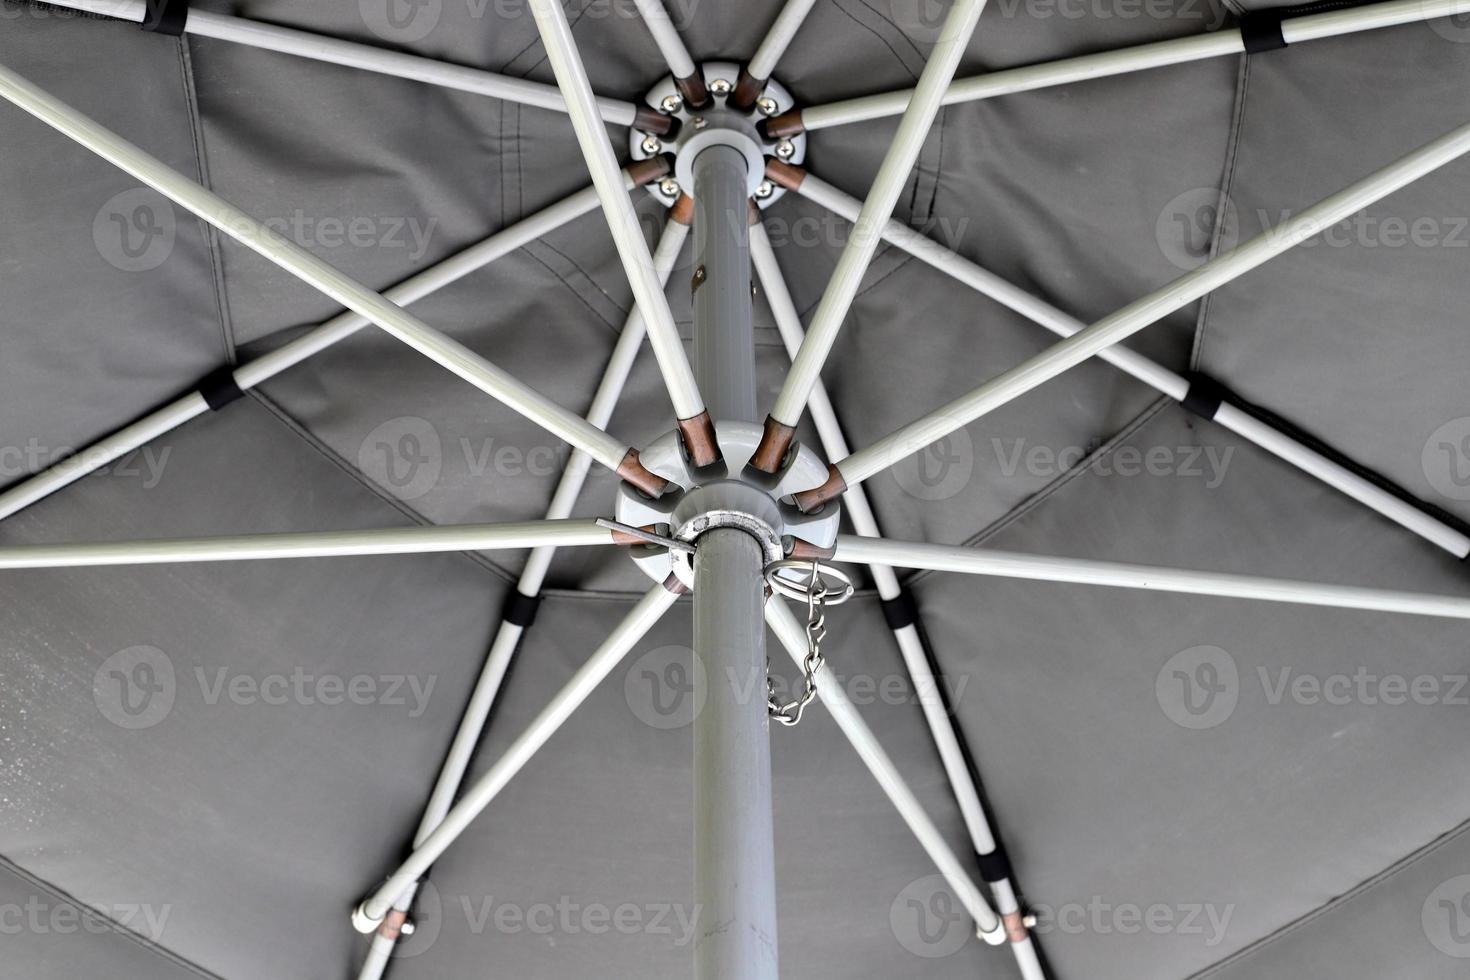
(1300, 835)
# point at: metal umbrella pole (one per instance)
(734, 847)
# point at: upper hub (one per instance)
(717, 124)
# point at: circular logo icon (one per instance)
(427, 916)
(1446, 459)
(1446, 917)
(401, 21)
(1198, 688)
(928, 919)
(135, 688)
(134, 231)
(404, 455)
(666, 687)
(1186, 227)
(937, 470)
(1455, 27)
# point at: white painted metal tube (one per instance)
(293, 258)
(763, 63)
(670, 45)
(1139, 314)
(648, 293)
(309, 544)
(190, 406)
(793, 638)
(619, 642)
(1216, 44)
(1083, 571)
(1150, 372)
(806, 367)
(319, 47)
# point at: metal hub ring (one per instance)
(800, 590)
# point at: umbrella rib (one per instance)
(311, 544)
(1083, 571)
(784, 624)
(648, 294)
(1150, 372)
(444, 350)
(907, 637)
(643, 616)
(351, 54)
(842, 288)
(1132, 318)
(762, 65)
(1029, 78)
(688, 78)
(520, 608)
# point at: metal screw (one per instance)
(766, 105)
(671, 103)
(720, 86)
(668, 187)
(1029, 920)
(699, 122)
(785, 149)
(765, 190)
(407, 928)
(651, 145)
(698, 279)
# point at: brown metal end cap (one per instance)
(683, 210)
(647, 171)
(747, 89)
(785, 174)
(779, 127)
(699, 439)
(673, 585)
(755, 212)
(626, 540)
(1015, 924)
(650, 120)
(392, 926)
(810, 501)
(774, 445)
(637, 475)
(806, 551)
(693, 90)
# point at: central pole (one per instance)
(734, 863)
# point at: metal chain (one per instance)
(789, 714)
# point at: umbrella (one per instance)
(317, 342)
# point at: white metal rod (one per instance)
(318, 47)
(1220, 43)
(806, 367)
(1150, 372)
(190, 406)
(763, 63)
(793, 638)
(1082, 571)
(1139, 314)
(309, 544)
(675, 55)
(294, 259)
(622, 639)
(648, 293)
(926, 686)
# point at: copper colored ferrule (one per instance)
(683, 210)
(673, 585)
(626, 540)
(699, 439)
(650, 120)
(748, 88)
(647, 171)
(636, 474)
(693, 90)
(785, 174)
(806, 551)
(392, 926)
(1015, 924)
(786, 124)
(811, 501)
(755, 212)
(774, 445)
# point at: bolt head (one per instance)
(720, 86)
(765, 190)
(668, 187)
(699, 122)
(766, 105)
(785, 149)
(651, 145)
(407, 928)
(671, 103)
